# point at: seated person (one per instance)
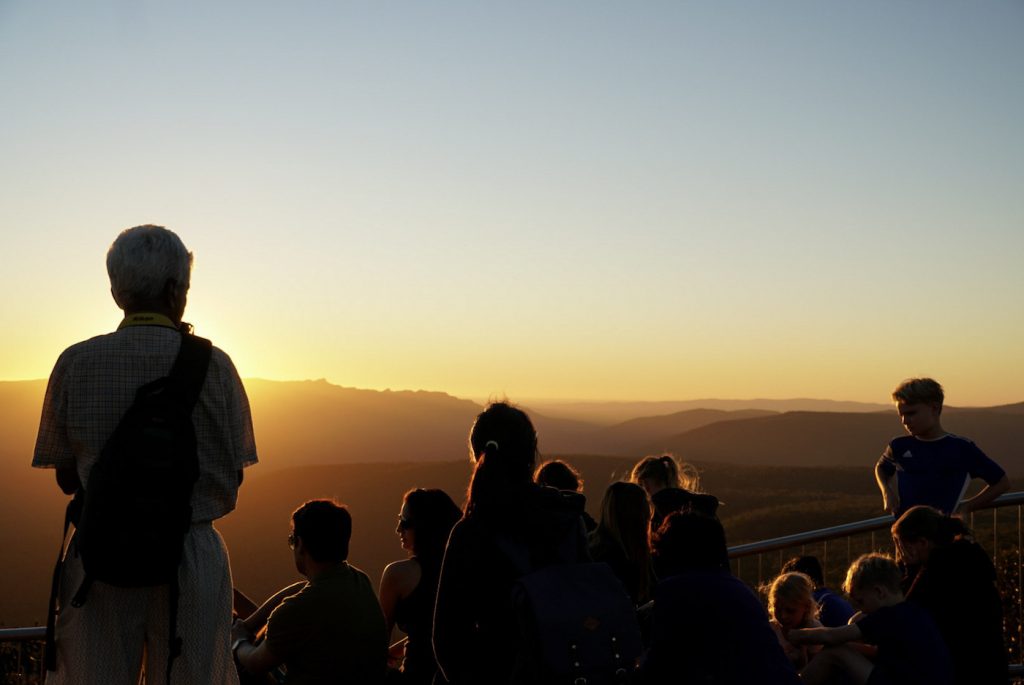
(910, 648)
(833, 610)
(620, 539)
(671, 487)
(560, 475)
(955, 582)
(408, 588)
(791, 605)
(708, 626)
(329, 629)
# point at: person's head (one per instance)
(425, 521)
(921, 529)
(654, 474)
(689, 541)
(873, 581)
(503, 445)
(558, 474)
(626, 515)
(150, 270)
(321, 530)
(919, 405)
(790, 600)
(809, 566)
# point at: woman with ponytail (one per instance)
(508, 519)
(954, 579)
(671, 488)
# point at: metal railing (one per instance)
(21, 648)
(1000, 530)
(21, 655)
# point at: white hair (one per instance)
(141, 261)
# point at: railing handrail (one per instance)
(842, 530)
(23, 634)
(737, 551)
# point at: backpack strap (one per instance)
(190, 366)
(187, 375)
(71, 513)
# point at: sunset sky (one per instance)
(591, 200)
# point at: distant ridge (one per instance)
(777, 472)
(316, 422)
(615, 412)
(836, 439)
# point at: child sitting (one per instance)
(791, 605)
(910, 649)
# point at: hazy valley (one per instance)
(777, 471)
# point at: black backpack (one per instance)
(577, 624)
(132, 520)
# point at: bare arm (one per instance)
(825, 636)
(254, 658)
(257, 619)
(887, 484)
(987, 495)
(389, 596)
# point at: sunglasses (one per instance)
(291, 540)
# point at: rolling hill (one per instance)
(777, 473)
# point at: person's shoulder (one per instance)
(404, 575)
(958, 440)
(554, 501)
(89, 346)
(221, 360)
(902, 442)
(355, 572)
(294, 604)
(963, 558)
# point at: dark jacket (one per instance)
(475, 633)
(710, 629)
(957, 586)
(670, 500)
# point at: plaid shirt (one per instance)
(94, 383)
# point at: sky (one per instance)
(577, 200)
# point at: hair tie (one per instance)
(488, 444)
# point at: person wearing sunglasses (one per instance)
(408, 588)
(328, 629)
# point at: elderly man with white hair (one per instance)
(120, 630)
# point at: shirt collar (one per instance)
(147, 319)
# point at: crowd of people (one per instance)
(490, 592)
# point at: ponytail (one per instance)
(924, 522)
(665, 469)
(503, 443)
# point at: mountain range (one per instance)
(777, 472)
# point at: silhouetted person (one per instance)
(791, 606)
(91, 386)
(930, 466)
(671, 488)
(329, 629)
(708, 627)
(476, 639)
(955, 582)
(621, 539)
(833, 610)
(408, 588)
(560, 475)
(909, 650)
